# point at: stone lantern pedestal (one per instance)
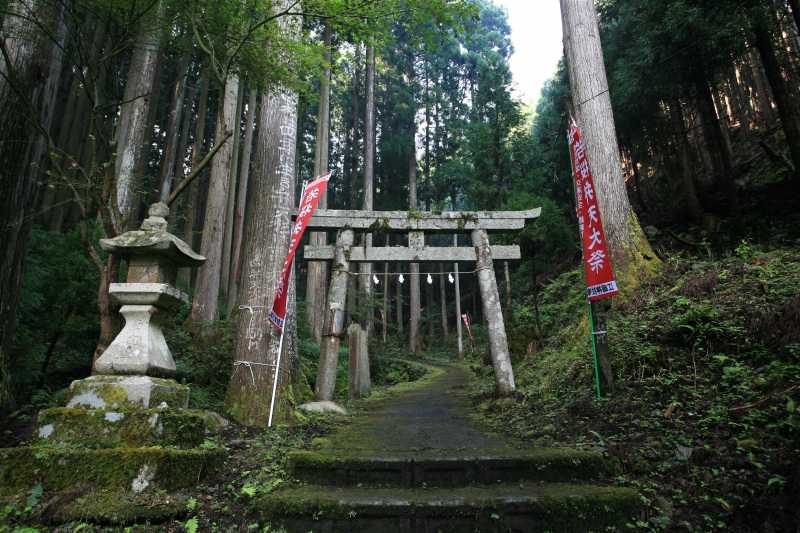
(140, 348)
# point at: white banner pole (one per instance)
(280, 343)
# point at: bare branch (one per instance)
(198, 169)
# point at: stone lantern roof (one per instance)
(153, 240)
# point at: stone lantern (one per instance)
(154, 256)
(128, 428)
(138, 360)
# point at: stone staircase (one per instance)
(415, 463)
(494, 491)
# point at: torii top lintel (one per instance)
(426, 221)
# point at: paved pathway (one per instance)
(432, 415)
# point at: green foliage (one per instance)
(58, 321)
(552, 237)
(204, 362)
(390, 371)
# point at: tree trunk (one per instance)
(227, 242)
(459, 330)
(399, 297)
(727, 173)
(110, 319)
(75, 143)
(206, 296)
(795, 5)
(317, 277)
(783, 100)
(724, 119)
(174, 125)
(741, 105)
(429, 302)
(268, 225)
(633, 259)
(68, 113)
(443, 302)
(369, 166)
(760, 84)
(142, 180)
(457, 289)
(244, 177)
(354, 148)
(692, 202)
(268, 230)
(133, 114)
(191, 206)
(413, 279)
(701, 143)
(507, 275)
(180, 167)
(637, 183)
(353, 180)
(29, 74)
(387, 310)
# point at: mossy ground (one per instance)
(706, 356)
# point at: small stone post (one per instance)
(364, 381)
(352, 367)
(358, 381)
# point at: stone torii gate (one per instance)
(478, 223)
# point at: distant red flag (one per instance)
(308, 203)
(600, 282)
(465, 318)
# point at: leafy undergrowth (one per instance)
(705, 421)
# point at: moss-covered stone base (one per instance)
(134, 469)
(127, 393)
(87, 504)
(93, 428)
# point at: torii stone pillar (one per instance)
(334, 317)
(498, 342)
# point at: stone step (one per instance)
(456, 469)
(521, 507)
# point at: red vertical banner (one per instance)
(600, 282)
(465, 318)
(312, 192)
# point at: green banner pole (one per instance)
(594, 351)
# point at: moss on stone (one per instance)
(635, 262)
(92, 428)
(64, 468)
(114, 392)
(552, 507)
(117, 507)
